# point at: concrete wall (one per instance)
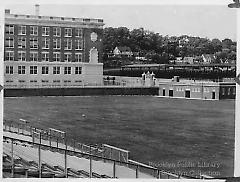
(87, 91)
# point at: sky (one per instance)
(211, 21)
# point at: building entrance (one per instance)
(213, 95)
(187, 93)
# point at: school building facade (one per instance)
(47, 51)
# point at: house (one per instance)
(122, 51)
(188, 60)
(208, 58)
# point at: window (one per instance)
(21, 56)
(33, 43)
(33, 81)
(45, 43)
(57, 31)
(206, 90)
(33, 70)
(45, 69)
(229, 91)
(67, 57)
(78, 70)
(56, 43)
(79, 44)
(22, 30)
(45, 56)
(56, 70)
(78, 32)
(45, 31)
(68, 32)
(56, 56)
(21, 70)
(78, 57)
(9, 42)
(234, 91)
(67, 44)
(44, 81)
(33, 30)
(9, 29)
(21, 42)
(33, 56)
(9, 70)
(67, 70)
(9, 56)
(21, 81)
(223, 91)
(56, 81)
(67, 81)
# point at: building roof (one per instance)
(19, 18)
(208, 56)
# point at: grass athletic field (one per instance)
(183, 136)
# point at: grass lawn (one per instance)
(157, 130)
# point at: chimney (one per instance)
(7, 11)
(37, 9)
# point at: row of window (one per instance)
(44, 81)
(182, 89)
(227, 91)
(44, 70)
(34, 43)
(33, 56)
(22, 30)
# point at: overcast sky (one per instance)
(211, 21)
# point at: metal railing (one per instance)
(57, 140)
(49, 137)
(155, 173)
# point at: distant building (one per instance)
(122, 51)
(141, 58)
(208, 58)
(197, 90)
(47, 51)
(188, 60)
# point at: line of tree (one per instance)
(160, 49)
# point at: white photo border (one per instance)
(124, 2)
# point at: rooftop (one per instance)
(53, 18)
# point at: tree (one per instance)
(226, 43)
(159, 49)
(217, 45)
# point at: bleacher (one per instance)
(29, 152)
